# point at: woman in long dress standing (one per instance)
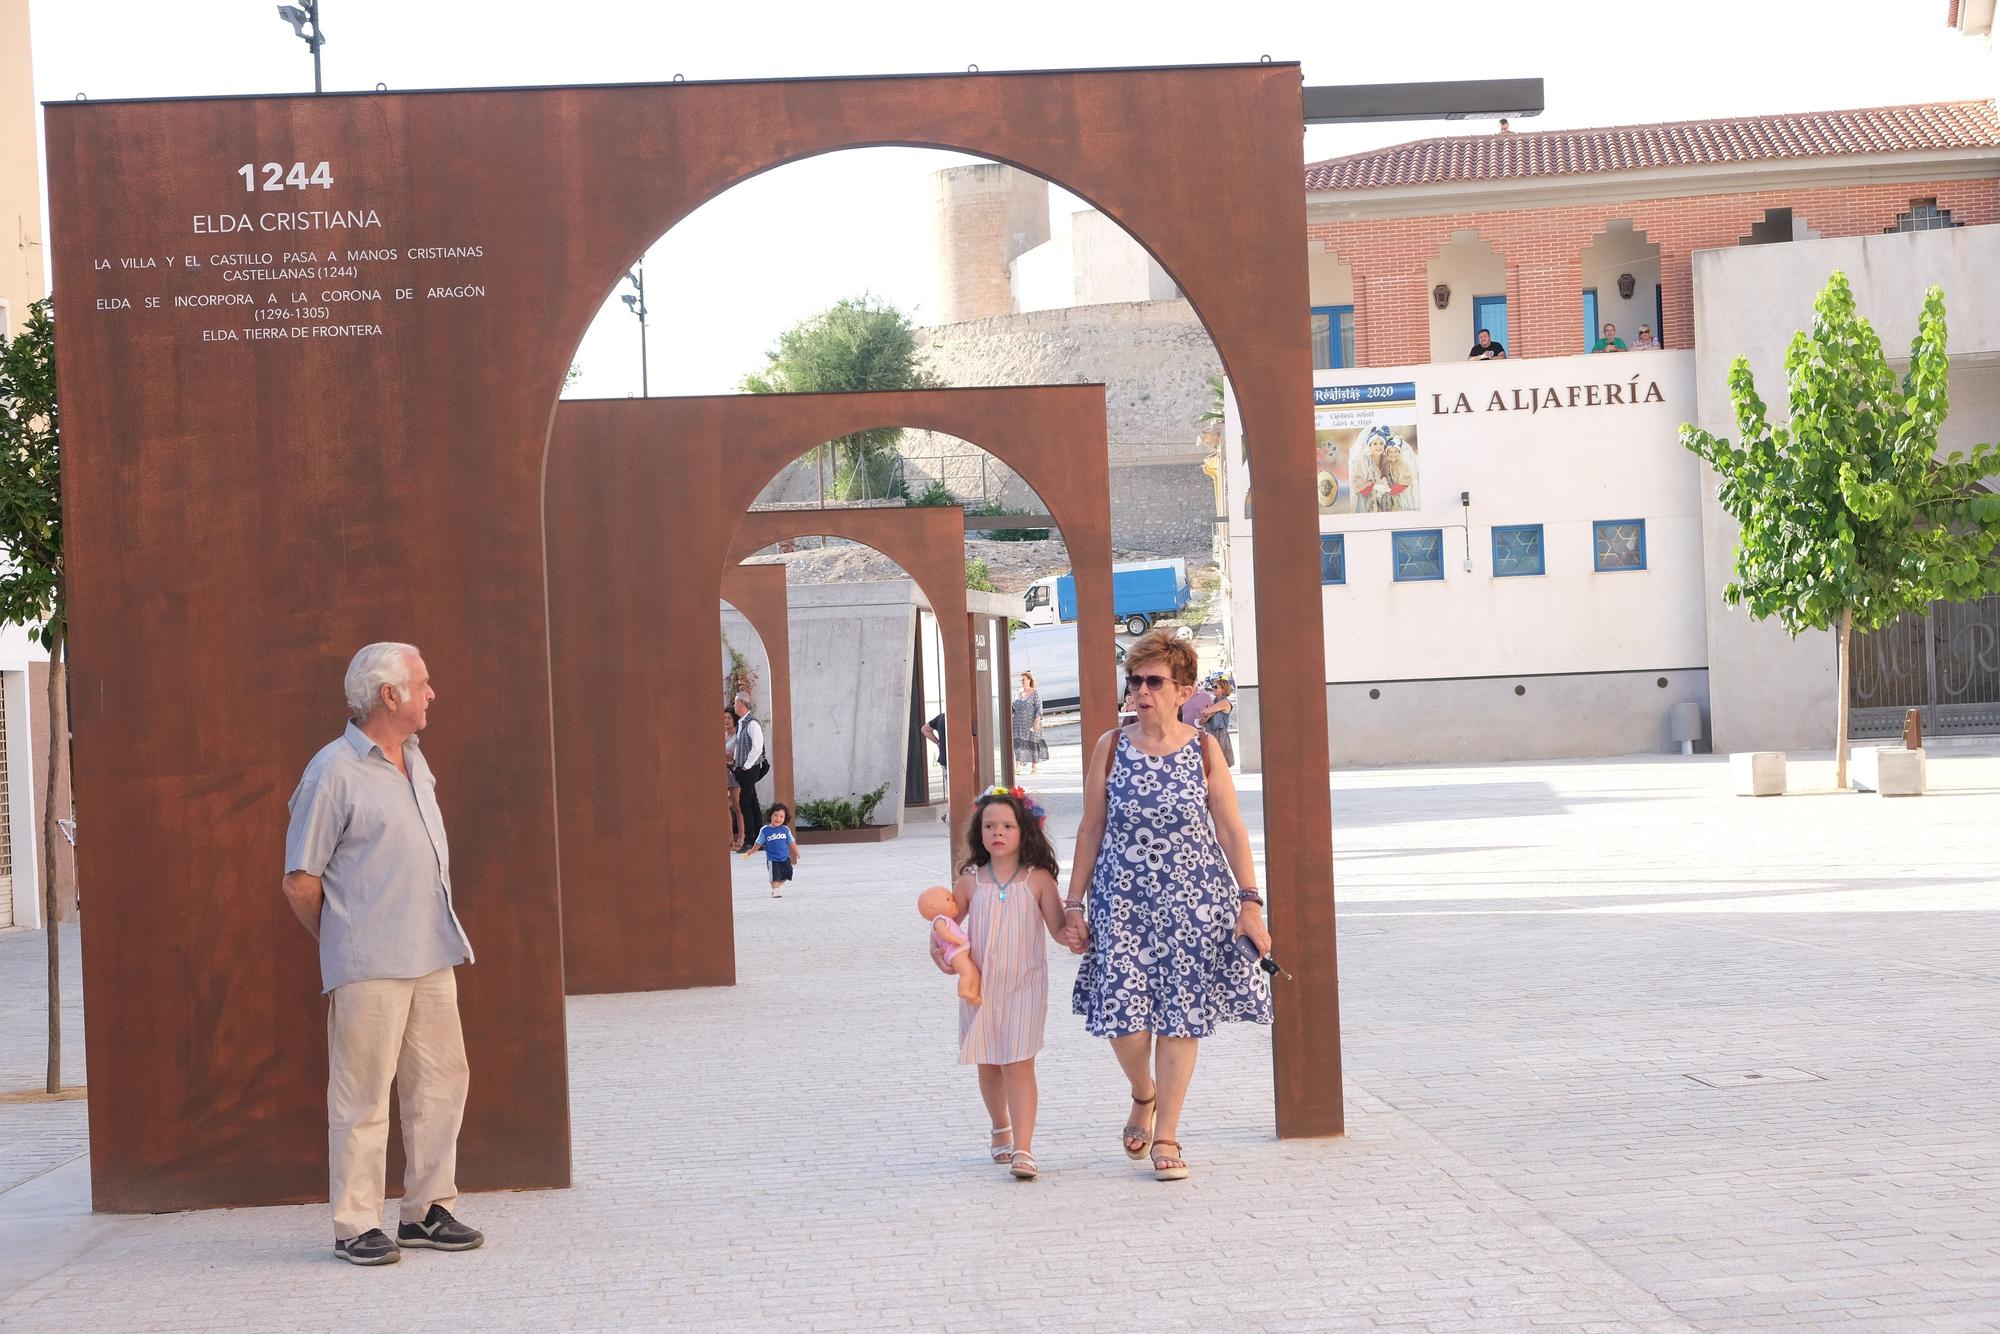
(1162, 889)
(1027, 714)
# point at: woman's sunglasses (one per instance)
(1150, 681)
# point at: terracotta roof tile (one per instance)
(1494, 157)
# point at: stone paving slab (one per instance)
(1535, 960)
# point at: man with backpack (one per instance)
(751, 760)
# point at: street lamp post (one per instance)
(637, 305)
(299, 15)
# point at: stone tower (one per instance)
(984, 216)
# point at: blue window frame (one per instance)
(1333, 558)
(1490, 313)
(1659, 315)
(1517, 550)
(1333, 337)
(1620, 544)
(1590, 324)
(1418, 553)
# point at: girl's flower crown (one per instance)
(1020, 794)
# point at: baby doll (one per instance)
(937, 904)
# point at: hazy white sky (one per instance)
(794, 240)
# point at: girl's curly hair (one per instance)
(1037, 853)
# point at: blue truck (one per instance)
(1141, 592)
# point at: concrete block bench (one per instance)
(1758, 773)
(1892, 771)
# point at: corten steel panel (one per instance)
(635, 487)
(758, 592)
(251, 511)
(929, 543)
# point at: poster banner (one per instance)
(1366, 439)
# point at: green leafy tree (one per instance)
(31, 577)
(1849, 518)
(858, 343)
(979, 577)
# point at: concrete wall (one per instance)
(21, 252)
(1769, 691)
(983, 217)
(1481, 720)
(851, 689)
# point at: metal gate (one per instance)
(1945, 664)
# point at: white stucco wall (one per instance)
(1768, 691)
(1562, 467)
(24, 832)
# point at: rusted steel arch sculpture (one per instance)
(641, 486)
(397, 464)
(1052, 436)
(929, 543)
(758, 594)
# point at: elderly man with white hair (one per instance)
(368, 873)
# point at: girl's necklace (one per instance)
(1010, 880)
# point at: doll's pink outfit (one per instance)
(944, 931)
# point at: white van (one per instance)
(1049, 651)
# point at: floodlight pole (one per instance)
(299, 15)
(637, 305)
(1451, 99)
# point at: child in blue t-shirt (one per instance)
(780, 846)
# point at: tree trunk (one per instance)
(1840, 712)
(51, 833)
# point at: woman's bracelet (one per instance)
(1249, 895)
(1072, 907)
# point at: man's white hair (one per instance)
(376, 666)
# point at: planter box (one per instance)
(1892, 771)
(1758, 773)
(874, 833)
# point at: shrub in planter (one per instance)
(841, 812)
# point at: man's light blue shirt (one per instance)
(376, 841)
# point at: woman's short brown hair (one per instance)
(1163, 645)
(1029, 677)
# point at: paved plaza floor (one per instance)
(1623, 1053)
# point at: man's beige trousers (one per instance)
(403, 1030)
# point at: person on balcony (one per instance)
(1610, 342)
(1485, 349)
(1644, 341)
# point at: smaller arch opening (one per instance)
(1467, 292)
(1777, 226)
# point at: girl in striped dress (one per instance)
(1007, 897)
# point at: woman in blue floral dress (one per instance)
(1160, 839)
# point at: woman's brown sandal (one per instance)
(1168, 1166)
(1024, 1165)
(1003, 1154)
(1143, 1135)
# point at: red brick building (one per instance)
(1533, 226)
